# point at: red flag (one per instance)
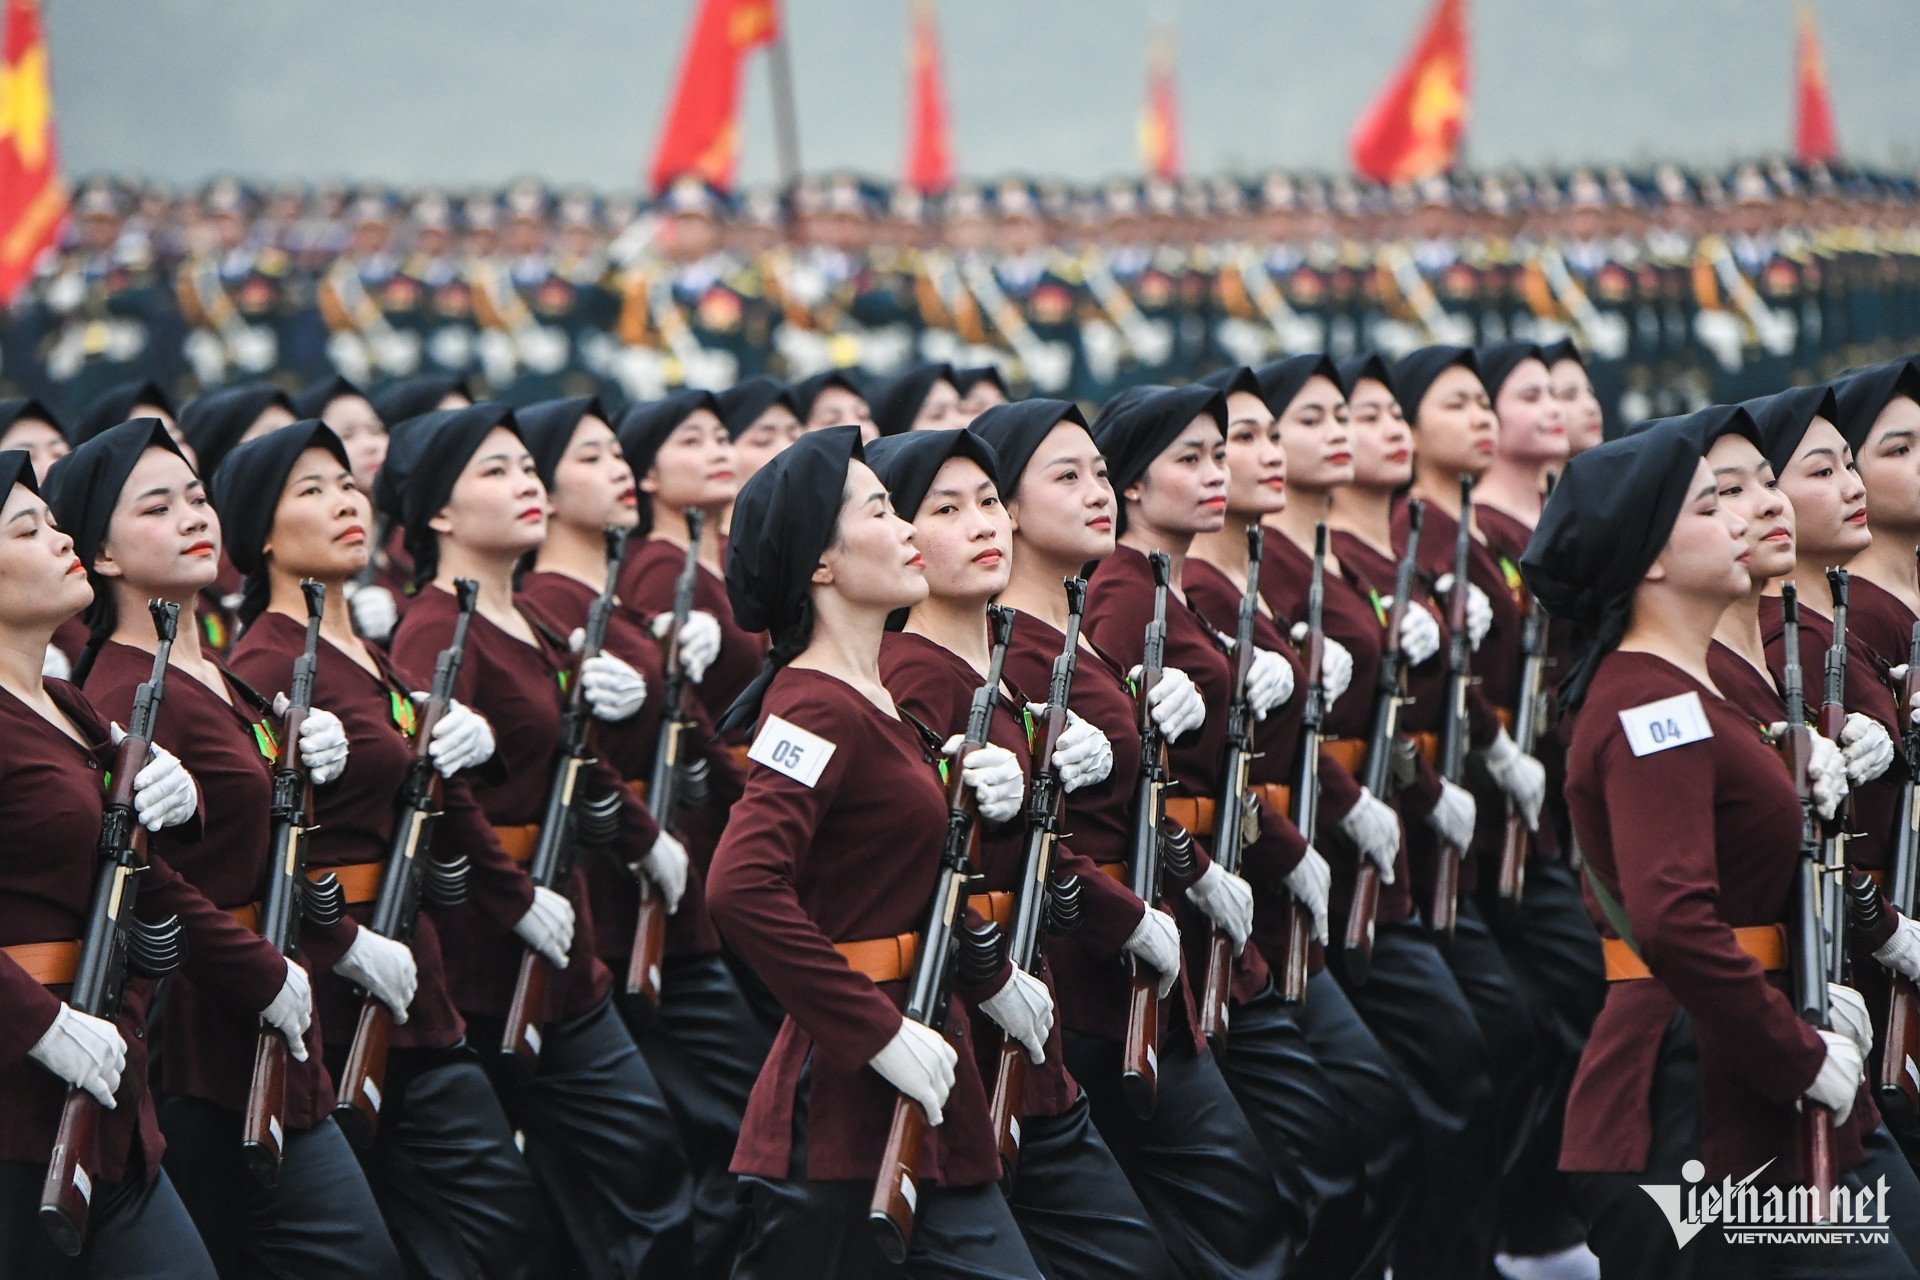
(1160, 121)
(701, 135)
(1813, 135)
(929, 168)
(33, 203)
(1413, 129)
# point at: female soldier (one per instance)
(981, 387)
(29, 425)
(1879, 417)
(1698, 1063)
(600, 1138)
(454, 1189)
(51, 800)
(922, 398)
(1195, 1151)
(703, 1042)
(836, 843)
(218, 422)
(376, 598)
(831, 399)
(145, 530)
(1574, 390)
(760, 416)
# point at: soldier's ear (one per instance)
(822, 575)
(440, 524)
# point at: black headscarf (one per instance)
(644, 427)
(1498, 360)
(783, 522)
(1703, 426)
(1357, 369)
(808, 389)
(547, 429)
(1283, 380)
(214, 422)
(1417, 371)
(1783, 419)
(1563, 349)
(1015, 431)
(311, 401)
(895, 401)
(965, 380)
(82, 489)
(907, 464)
(1137, 425)
(246, 492)
(741, 405)
(1608, 520)
(411, 397)
(12, 411)
(423, 464)
(16, 467)
(1859, 397)
(1231, 379)
(116, 404)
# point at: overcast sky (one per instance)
(460, 91)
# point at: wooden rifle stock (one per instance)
(1139, 1053)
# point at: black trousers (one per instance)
(602, 1146)
(1081, 1218)
(1195, 1162)
(455, 1190)
(705, 1046)
(1416, 1009)
(135, 1231)
(317, 1220)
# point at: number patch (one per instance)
(1666, 724)
(785, 747)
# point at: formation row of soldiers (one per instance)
(1242, 909)
(1683, 288)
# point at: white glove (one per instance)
(1083, 755)
(1839, 1079)
(1311, 881)
(1336, 668)
(87, 1052)
(1024, 1010)
(613, 689)
(918, 1062)
(1227, 900)
(164, 794)
(1374, 828)
(1868, 748)
(1174, 704)
(1901, 953)
(54, 665)
(1826, 771)
(1453, 817)
(1847, 1011)
(1419, 632)
(699, 641)
(383, 967)
(292, 1011)
(1479, 609)
(462, 738)
(998, 784)
(323, 741)
(375, 612)
(1523, 778)
(1155, 942)
(666, 865)
(548, 926)
(1269, 682)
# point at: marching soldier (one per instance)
(236, 296)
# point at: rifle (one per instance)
(1045, 800)
(1383, 733)
(1830, 723)
(1139, 1061)
(1528, 725)
(410, 876)
(895, 1191)
(1306, 778)
(288, 897)
(1805, 945)
(663, 785)
(1453, 733)
(1230, 809)
(561, 825)
(115, 944)
(1898, 1088)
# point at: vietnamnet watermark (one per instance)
(1747, 1214)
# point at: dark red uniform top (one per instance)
(1693, 841)
(1879, 622)
(207, 1047)
(1745, 686)
(647, 583)
(853, 856)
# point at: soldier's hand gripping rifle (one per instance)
(1383, 734)
(1528, 718)
(115, 944)
(288, 898)
(412, 875)
(895, 1191)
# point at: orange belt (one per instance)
(51, 964)
(882, 959)
(1766, 943)
(995, 904)
(1349, 753)
(1506, 717)
(359, 881)
(1114, 871)
(1278, 795)
(1195, 813)
(518, 842)
(1428, 745)
(1879, 878)
(638, 787)
(739, 754)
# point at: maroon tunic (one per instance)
(1091, 986)
(1879, 622)
(1745, 687)
(647, 583)
(1693, 842)
(207, 1050)
(516, 686)
(357, 817)
(854, 856)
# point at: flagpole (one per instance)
(786, 114)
